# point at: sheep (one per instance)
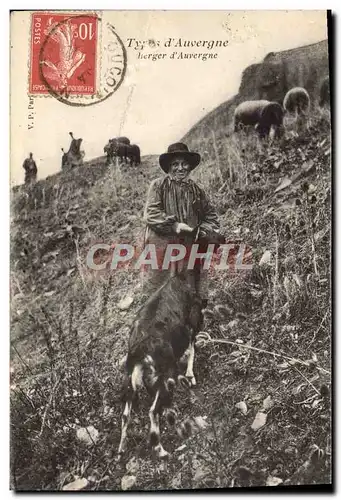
(296, 101)
(263, 115)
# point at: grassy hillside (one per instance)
(268, 343)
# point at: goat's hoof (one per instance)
(182, 380)
(192, 381)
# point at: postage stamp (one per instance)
(75, 57)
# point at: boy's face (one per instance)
(179, 168)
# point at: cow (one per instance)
(118, 150)
(133, 153)
(324, 92)
(122, 150)
(296, 101)
(164, 328)
(74, 156)
(262, 115)
(116, 147)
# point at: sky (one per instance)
(158, 102)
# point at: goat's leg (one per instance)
(167, 394)
(190, 362)
(154, 434)
(126, 418)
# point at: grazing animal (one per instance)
(164, 328)
(110, 151)
(74, 156)
(133, 153)
(324, 92)
(118, 149)
(263, 115)
(122, 150)
(296, 101)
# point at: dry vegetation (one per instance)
(267, 342)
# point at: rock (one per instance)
(268, 403)
(273, 481)
(259, 421)
(87, 435)
(201, 422)
(125, 303)
(127, 482)
(242, 407)
(78, 484)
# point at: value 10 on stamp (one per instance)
(76, 57)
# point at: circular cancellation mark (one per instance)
(106, 73)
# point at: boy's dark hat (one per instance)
(178, 149)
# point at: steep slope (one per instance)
(262, 402)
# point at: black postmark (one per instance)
(111, 66)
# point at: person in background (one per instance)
(31, 170)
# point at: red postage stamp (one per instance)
(63, 53)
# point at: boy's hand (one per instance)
(181, 227)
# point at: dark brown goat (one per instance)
(165, 327)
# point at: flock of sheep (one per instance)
(265, 115)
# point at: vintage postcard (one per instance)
(170, 250)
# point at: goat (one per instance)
(164, 328)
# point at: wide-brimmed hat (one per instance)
(178, 149)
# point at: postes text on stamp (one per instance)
(75, 57)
